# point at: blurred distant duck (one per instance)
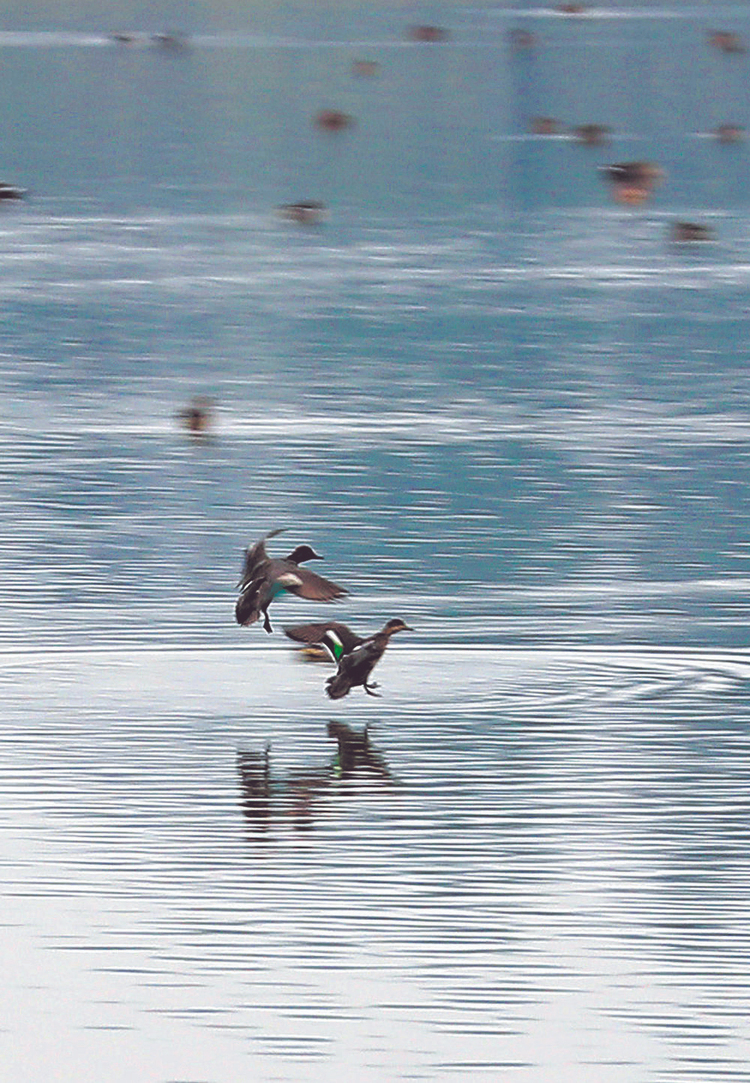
(11, 191)
(683, 232)
(264, 579)
(427, 33)
(725, 41)
(197, 416)
(591, 135)
(308, 212)
(334, 120)
(729, 133)
(355, 666)
(632, 182)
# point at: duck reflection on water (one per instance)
(291, 798)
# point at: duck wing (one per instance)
(304, 583)
(315, 633)
(255, 557)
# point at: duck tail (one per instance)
(338, 686)
(246, 611)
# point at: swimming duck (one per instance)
(729, 133)
(197, 416)
(632, 182)
(333, 120)
(591, 135)
(725, 41)
(169, 42)
(355, 666)
(11, 191)
(690, 231)
(427, 33)
(263, 579)
(307, 213)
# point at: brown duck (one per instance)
(264, 578)
(355, 666)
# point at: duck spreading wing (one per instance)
(256, 558)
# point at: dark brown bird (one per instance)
(264, 578)
(690, 231)
(333, 120)
(11, 191)
(427, 33)
(308, 212)
(726, 42)
(729, 133)
(591, 135)
(632, 182)
(356, 665)
(197, 417)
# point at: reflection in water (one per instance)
(293, 796)
(255, 782)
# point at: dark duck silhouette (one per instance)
(264, 578)
(355, 666)
(632, 183)
(690, 231)
(197, 416)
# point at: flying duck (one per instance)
(264, 578)
(355, 666)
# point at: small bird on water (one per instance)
(264, 578)
(355, 666)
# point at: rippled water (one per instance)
(504, 409)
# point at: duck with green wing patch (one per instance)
(264, 578)
(355, 666)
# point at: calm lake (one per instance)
(505, 408)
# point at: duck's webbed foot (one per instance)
(267, 623)
(369, 689)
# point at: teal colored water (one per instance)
(507, 409)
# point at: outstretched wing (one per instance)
(255, 557)
(310, 585)
(315, 633)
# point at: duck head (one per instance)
(396, 625)
(303, 553)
